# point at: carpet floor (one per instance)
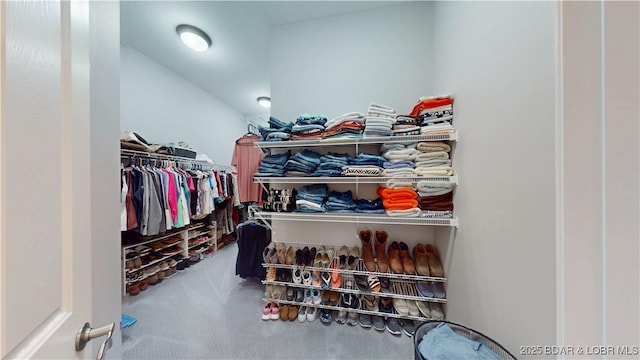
(207, 312)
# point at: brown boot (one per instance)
(407, 262)
(435, 266)
(394, 258)
(367, 250)
(420, 257)
(381, 251)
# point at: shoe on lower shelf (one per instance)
(342, 317)
(293, 312)
(393, 326)
(426, 289)
(302, 314)
(365, 321)
(284, 312)
(408, 327)
(438, 290)
(275, 311)
(312, 313)
(400, 305)
(423, 307)
(413, 308)
(436, 311)
(266, 311)
(352, 318)
(377, 322)
(326, 317)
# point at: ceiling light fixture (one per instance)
(264, 101)
(193, 37)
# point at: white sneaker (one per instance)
(302, 314)
(312, 313)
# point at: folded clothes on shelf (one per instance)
(397, 194)
(413, 212)
(442, 202)
(367, 159)
(400, 183)
(426, 156)
(401, 172)
(426, 188)
(434, 171)
(399, 164)
(307, 119)
(361, 170)
(370, 206)
(426, 146)
(436, 214)
(436, 106)
(353, 117)
(437, 129)
(433, 163)
(394, 155)
(340, 201)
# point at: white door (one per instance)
(59, 182)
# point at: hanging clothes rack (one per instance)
(167, 160)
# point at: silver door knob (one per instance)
(86, 334)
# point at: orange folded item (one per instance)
(397, 194)
(399, 205)
(430, 104)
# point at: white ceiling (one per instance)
(236, 68)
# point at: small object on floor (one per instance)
(408, 327)
(365, 321)
(266, 311)
(378, 322)
(275, 311)
(127, 320)
(352, 318)
(302, 314)
(312, 313)
(325, 317)
(342, 317)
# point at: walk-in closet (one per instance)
(319, 179)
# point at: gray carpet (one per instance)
(207, 312)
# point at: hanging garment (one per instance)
(246, 159)
(123, 200)
(253, 238)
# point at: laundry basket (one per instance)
(460, 330)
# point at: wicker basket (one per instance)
(463, 331)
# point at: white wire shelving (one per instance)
(355, 218)
(353, 179)
(365, 140)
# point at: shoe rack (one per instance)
(400, 286)
(154, 259)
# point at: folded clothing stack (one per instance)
(435, 114)
(308, 127)
(380, 120)
(399, 202)
(442, 202)
(361, 170)
(311, 198)
(277, 131)
(331, 164)
(348, 125)
(406, 125)
(436, 163)
(365, 206)
(435, 200)
(340, 202)
(273, 165)
(397, 152)
(426, 188)
(302, 163)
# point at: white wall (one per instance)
(341, 64)
(163, 107)
(498, 58)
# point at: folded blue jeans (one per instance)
(279, 124)
(365, 211)
(279, 159)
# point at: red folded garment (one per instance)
(442, 202)
(397, 194)
(399, 204)
(430, 104)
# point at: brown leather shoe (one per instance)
(421, 258)
(381, 251)
(435, 266)
(394, 258)
(407, 262)
(367, 250)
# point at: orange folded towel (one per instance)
(399, 204)
(397, 194)
(430, 104)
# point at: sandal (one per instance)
(374, 283)
(354, 255)
(336, 277)
(343, 253)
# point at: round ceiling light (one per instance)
(193, 37)
(264, 101)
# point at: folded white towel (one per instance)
(402, 172)
(381, 107)
(404, 154)
(435, 171)
(436, 129)
(421, 156)
(443, 96)
(414, 212)
(382, 114)
(434, 162)
(400, 184)
(426, 146)
(379, 120)
(430, 189)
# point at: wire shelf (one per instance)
(357, 218)
(353, 179)
(366, 140)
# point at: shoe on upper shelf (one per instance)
(407, 262)
(381, 250)
(421, 258)
(435, 266)
(395, 262)
(352, 260)
(367, 250)
(435, 309)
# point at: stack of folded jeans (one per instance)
(303, 163)
(277, 130)
(273, 165)
(349, 125)
(311, 198)
(406, 125)
(369, 206)
(380, 120)
(308, 127)
(364, 165)
(400, 202)
(397, 152)
(331, 164)
(340, 202)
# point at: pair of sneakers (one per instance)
(270, 311)
(308, 313)
(312, 297)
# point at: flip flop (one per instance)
(354, 255)
(336, 277)
(343, 254)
